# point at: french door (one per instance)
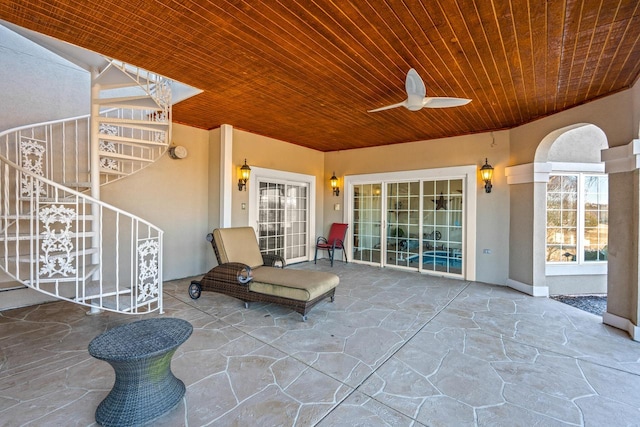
(403, 223)
(283, 219)
(367, 221)
(426, 223)
(443, 226)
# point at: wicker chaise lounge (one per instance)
(245, 273)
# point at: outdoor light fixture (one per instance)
(334, 185)
(177, 152)
(245, 171)
(486, 171)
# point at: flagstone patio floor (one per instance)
(395, 348)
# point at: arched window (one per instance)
(577, 202)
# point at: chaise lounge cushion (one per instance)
(295, 284)
(240, 245)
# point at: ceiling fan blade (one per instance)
(416, 98)
(414, 85)
(388, 107)
(444, 102)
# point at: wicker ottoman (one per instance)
(140, 354)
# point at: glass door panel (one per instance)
(296, 223)
(271, 218)
(367, 217)
(403, 224)
(283, 220)
(442, 220)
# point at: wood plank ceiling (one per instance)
(307, 71)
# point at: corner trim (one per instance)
(624, 158)
(527, 173)
(535, 291)
(622, 323)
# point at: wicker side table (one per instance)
(140, 354)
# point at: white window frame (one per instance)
(258, 173)
(580, 267)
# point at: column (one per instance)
(622, 163)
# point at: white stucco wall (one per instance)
(492, 209)
(37, 85)
(173, 195)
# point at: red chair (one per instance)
(334, 241)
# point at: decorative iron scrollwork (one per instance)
(148, 268)
(57, 242)
(32, 159)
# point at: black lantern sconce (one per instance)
(245, 171)
(334, 185)
(486, 171)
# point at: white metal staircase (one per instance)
(55, 236)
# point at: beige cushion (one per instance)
(238, 245)
(299, 285)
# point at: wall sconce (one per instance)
(245, 171)
(334, 185)
(486, 171)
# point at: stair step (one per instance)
(77, 184)
(22, 297)
(120, 302)
(137, 124)
(112, 172)
(75, 254)
(113, 77)
(122, 305)
(118, 156)
(25, 237)
(92, 290)
(50, 200)
(87, 272)
(29, 216)
(131, 141)
(143, 102)
(11, 286)
(111, 299)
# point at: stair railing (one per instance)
(47, 241)
(133, 136)
(57, 150)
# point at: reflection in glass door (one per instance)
(367, 203)
(403, 223)
(442, 221)
(283, 220)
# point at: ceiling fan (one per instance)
(416, 98)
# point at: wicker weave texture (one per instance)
(140, 354)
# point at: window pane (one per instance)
(591, 218)
(569, 218)
(569, 200)
(596, 228)
(553, 201)
(553, 219)
(554, 184)
(569, 183)
(553, 253)
(562, 218)
(554, 235)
